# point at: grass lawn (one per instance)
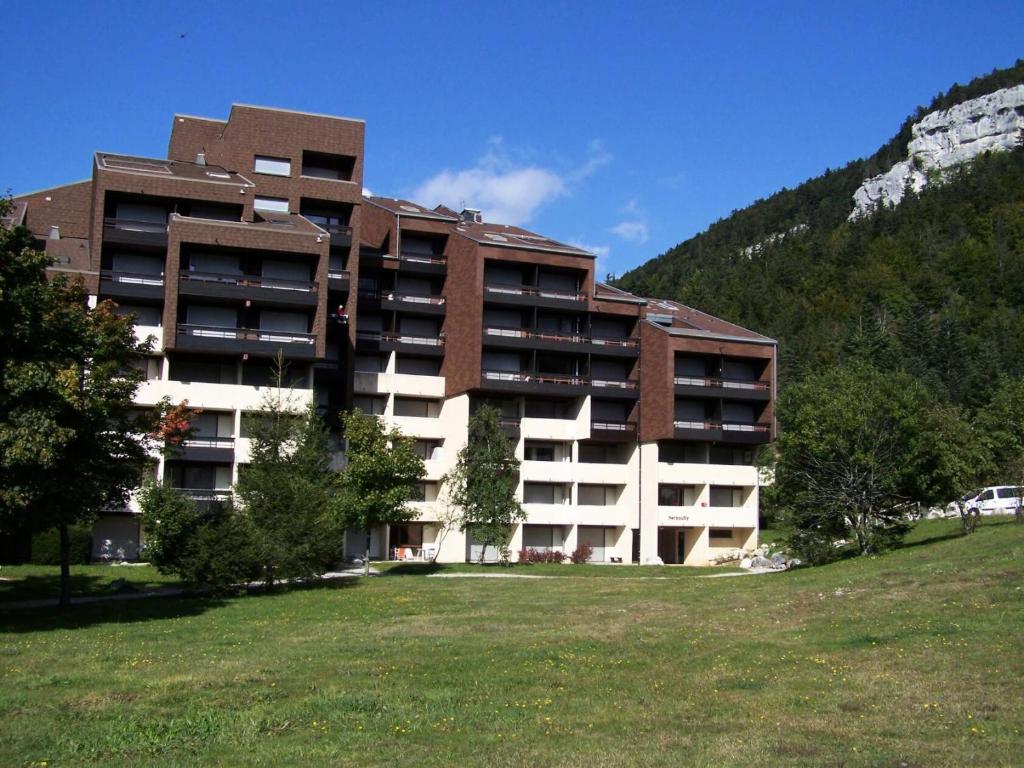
(910, 659)
(27, 582)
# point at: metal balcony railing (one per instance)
(132, 278)
(725, 426)
(419, 258)
(250, 281)
(204, 441)
(135, 225)
(704, 381)
(547, 378)
(614, 426)
(529, 290)
(338, 274)
(246, 334)
(526, 333)
(402, 338)
(205, 494)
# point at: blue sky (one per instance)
(623, 127)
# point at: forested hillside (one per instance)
(934, 286)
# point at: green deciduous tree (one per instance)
(380, 476)
(482, 485)
(70, 444)
(851, 458)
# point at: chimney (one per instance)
(200, 158)
(472, 215)
(54, 233)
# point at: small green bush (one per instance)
(46, 546)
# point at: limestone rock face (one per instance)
(944, 139)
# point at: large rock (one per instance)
(760, 562)
(947, 138)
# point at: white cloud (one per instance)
(367, 192)
(507, 191)
(597, 158)
(634, 227)
(635, 230)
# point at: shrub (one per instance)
(207, 545)
(46, 546)
(581, 554)
(532, 555)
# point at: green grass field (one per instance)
(913, 658)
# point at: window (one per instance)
(279, 204)
(604, 454)
(723, 454)
(411, 406)
(720, 534)
(543, 493)
(418, 366)
(533, 451)
(424, 491)
(144, 314)
(373, 406)
(426, 449)
(1008, 493)
(204, 371)
(543, 538)
(275, 166)
(321, 165)
(598, 495)
(726, 496)
(677, 495)
(369, 364)
(987, 495)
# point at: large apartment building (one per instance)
(636, 419)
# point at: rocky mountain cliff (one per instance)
(930, 286)
(947, 138)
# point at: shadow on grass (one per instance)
(985, 522)
(144, 606)
(413, 569)
(42, 587)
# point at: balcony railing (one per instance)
(246, 334)
(338, 274)
(420, 258)
(205, 494)
(250, 281)
(400, 338)
(411, 298)
(337, 229)
(132, 278)
(724, 426)
(547, 378)
(135, 225)
(526, 333)
(701, 381)
(627, 427)
(529, 290)
(204, 441)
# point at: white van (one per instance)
(996, 500)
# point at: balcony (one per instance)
(131, 285)
(613, 431)
(733, 389)
(206, 497)
(218, 450)
(531, 296)
(341, 234)
(388, 341)
(266, 290)
(421, 263)
(555, 384)
(525, 338)
(724, 432)
(260, 342)
(134, 232)
(409, 302)
(339, 280)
